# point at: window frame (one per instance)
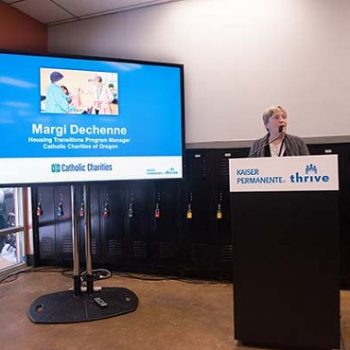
(19, 229)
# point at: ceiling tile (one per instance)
(89, 7)
(43, 10)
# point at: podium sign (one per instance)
(311, 173)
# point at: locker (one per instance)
(222, 207)
(52, 224)
(63, 227)
(43, 220)
(343, 152)
(165, 223)
(207, 191)
(190, 236)
(198, 224)
(137, 218)
(111, 212)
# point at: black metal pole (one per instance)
(87, 231)
(75, 240)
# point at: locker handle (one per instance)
(106, 211)
(60, 211)
(157, 211)
(39, 210)
(130, 211)
(81, 210)
(219, 212)
(189, 211)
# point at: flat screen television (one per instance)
(80, 119)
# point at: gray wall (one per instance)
(240, 56)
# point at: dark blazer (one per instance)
(295, 146)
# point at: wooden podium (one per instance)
(286, 251)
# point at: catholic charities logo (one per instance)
(55, 168)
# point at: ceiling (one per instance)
(53, 12)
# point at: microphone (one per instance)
(280, 130)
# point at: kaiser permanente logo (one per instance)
(254, 176)
(154, 171)
(171, 171)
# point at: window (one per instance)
(11, 228)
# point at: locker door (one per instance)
(112, 224)
(137, 221)
(198, 209)
(165, 223)
(43, 223)
(222, 208)
(63, 225)
(343, 152)
(52, 224)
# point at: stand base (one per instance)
(65, 307)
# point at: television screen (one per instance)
(70, 119)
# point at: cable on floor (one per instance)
(98, 274)
(149, 278)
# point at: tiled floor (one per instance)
(171, 315)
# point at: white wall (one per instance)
(240, 56)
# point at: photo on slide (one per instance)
(65, 91)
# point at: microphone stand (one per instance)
(280, 130)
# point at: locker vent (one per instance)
(226, 253)
(67, 246)
(47, 247)
(95, 247)
(114, 247)
(139, 249)
(167, 250)
(224, 167)
(204, 168)
(202, 254)
(197, 167)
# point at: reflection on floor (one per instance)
(8, 253)
(171, 315)
(5, 263)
